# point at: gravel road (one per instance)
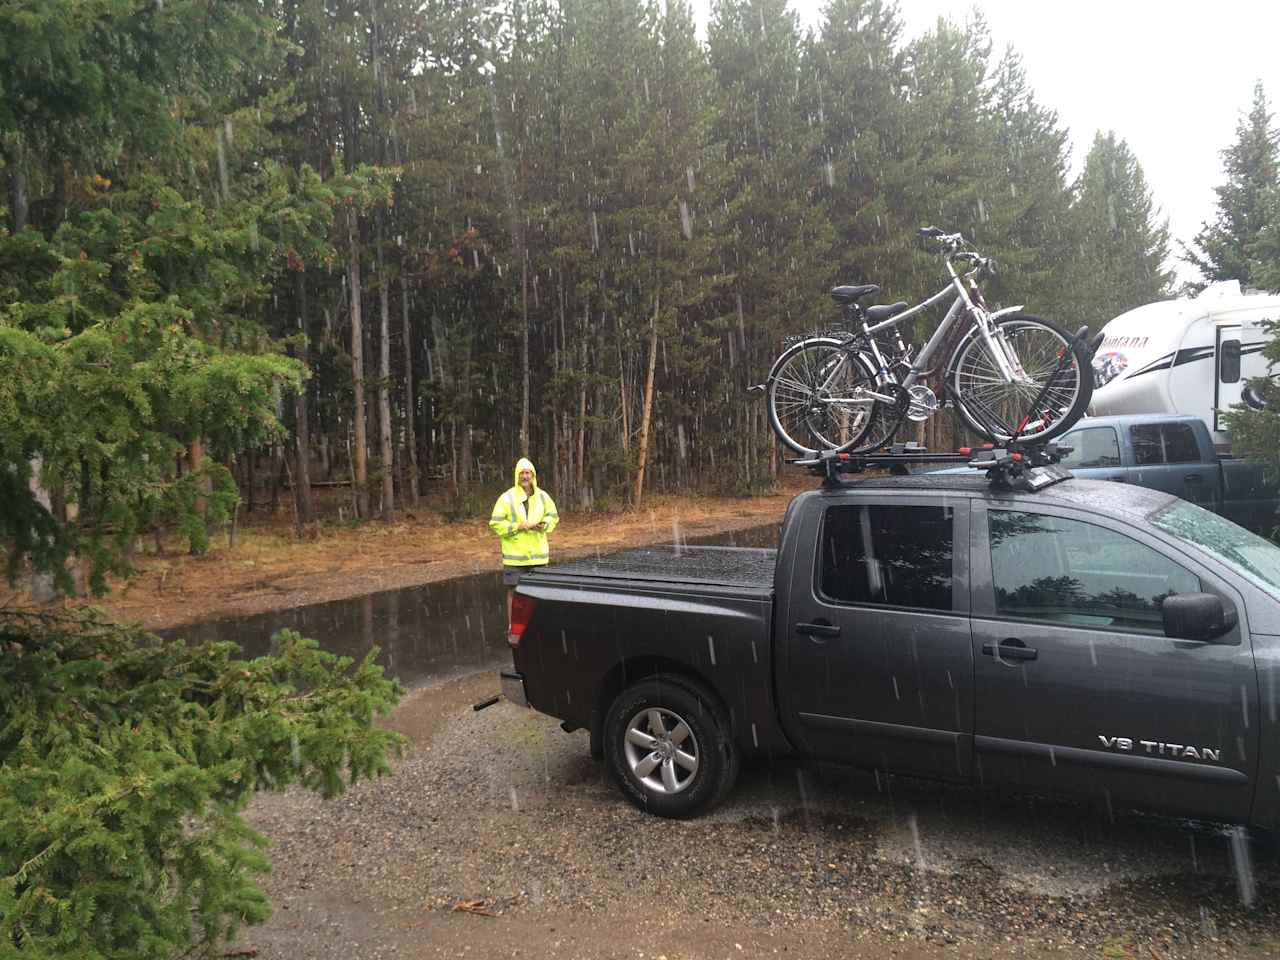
(497, 835)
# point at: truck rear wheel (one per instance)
(668, 746)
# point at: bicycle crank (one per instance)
(922, 403)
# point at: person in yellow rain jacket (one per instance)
(522, 518)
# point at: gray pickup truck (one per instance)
(1109, 641)
(1174, 454)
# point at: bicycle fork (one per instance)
(998, 347)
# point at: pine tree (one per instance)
(773, 235)
(126, 763)
(858, 74)
(1028, 199)
(1123, 243)
(1252, 165)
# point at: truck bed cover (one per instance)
(669, 563)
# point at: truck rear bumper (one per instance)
(513, 687)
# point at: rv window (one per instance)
(1147, 449)
(1180, 444)
(1093, 447)
(1229, 361)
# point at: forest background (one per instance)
(390, 245)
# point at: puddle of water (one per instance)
(426, 634)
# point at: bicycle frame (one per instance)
(1006, 361)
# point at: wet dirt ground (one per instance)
(269, 569)
(498, 836)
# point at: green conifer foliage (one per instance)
(126, 763)
(1252, 165)
(1123, 242)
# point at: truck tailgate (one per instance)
(704, 610)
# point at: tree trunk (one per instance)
(384, 390)
(360, 463)
(197, 458)
(19, 207)
(251, 480)
(524, 357)
(42, 585)
(464, 456)
(302, 460)
(647, 412)
(581, 457)
(277, 470)
(410, 402)
(626, 411)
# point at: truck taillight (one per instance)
(521, 613)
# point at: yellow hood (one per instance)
(524, 463)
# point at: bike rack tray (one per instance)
(1014, 466)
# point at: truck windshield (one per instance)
(1248, 553)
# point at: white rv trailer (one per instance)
(1190, 355)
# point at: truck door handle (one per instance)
(818, 629)
(1010, 648)
(1193, 478)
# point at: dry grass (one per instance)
(268, 568)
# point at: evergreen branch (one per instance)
(20, 876)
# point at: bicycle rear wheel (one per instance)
(815, 397)
(996, 409)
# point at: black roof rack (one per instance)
(1014, 466)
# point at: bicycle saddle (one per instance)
(883, 311)
(847, 295)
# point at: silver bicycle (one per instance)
(1010, 376)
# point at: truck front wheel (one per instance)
(668, 747)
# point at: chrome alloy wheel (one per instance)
(661, 750)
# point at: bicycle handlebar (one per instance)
(950, 241)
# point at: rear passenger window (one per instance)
(1070, 572)
(1179, 443)
(1156, 443)
(892, 555)
(1147, 450)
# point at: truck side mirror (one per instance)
(1196, 616)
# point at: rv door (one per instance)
(1226, 392)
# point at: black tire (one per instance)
(997, 410)
(800, 378)
(667, 787)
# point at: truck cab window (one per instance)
(892, 555)
(1070, 572)
(1179, 443)
(1093, 447)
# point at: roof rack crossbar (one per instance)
(1013, 466)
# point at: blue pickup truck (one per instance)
(1174, 454)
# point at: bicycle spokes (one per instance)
(1033, 402)
(819, 397)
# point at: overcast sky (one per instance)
(1171, 77)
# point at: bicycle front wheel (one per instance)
(997, 409)
(816, 397)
